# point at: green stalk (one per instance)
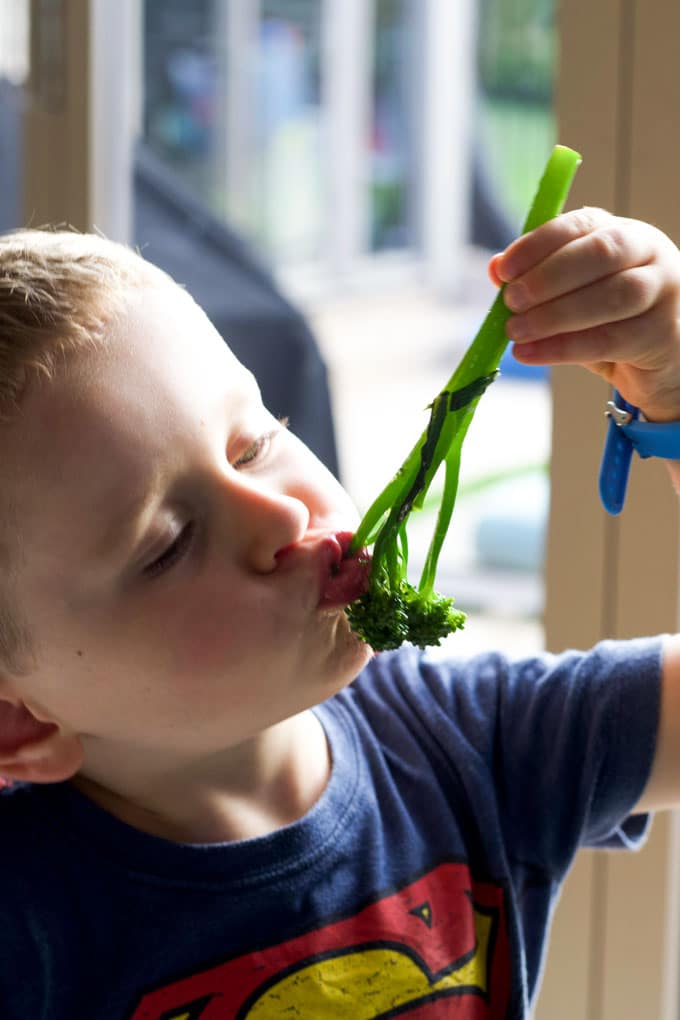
(481, 359)
(452, 472)
(486, 350)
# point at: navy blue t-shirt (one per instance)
(420, 885)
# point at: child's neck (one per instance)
(244, 792)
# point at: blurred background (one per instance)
(329, 178)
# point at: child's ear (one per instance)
(35, 750)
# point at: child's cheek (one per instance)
(211, 635)
(219, 629)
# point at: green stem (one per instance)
(383, 502)
(486, 350)
(481, 359)
(452, 471)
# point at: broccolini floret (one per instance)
(393, 610)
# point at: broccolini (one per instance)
(393, 610)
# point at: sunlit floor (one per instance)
(388, 353)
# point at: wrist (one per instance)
(664, 403)
(662, 413)
(674, 471)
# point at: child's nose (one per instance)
(267, 522)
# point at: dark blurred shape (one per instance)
(176, 232)
(490, 225)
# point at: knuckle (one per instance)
(589, 218)
(609, 244)
(531, 285)
(629, 294)
(637, 289)
(614, 300)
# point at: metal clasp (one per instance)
(617, 414)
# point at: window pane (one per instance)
(286, 204)
(180, 83)
(236, 104)
(14, 67)
(516, 57)
(392, 136)
(14, 41)
(233, 106)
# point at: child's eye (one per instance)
(174, 552)
(255, 450)
(260, 446)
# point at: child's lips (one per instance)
(341, 578)
(345, 579)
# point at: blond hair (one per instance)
(58, 291)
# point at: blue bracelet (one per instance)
(627, 433)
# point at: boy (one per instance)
(207, 819)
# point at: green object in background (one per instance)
(514, 137)
(393, 610)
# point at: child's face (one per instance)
(154, 494)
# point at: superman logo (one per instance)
(435, 948)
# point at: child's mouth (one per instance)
(347, 577)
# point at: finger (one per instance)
(622, 296)
(537, 245)
(649, 386)
(591, 347)
(604, 252)
(632, 342)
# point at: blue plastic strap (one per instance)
(654, 439)
(615, 466)
(648, 439)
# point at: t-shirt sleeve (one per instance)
(563, 743)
